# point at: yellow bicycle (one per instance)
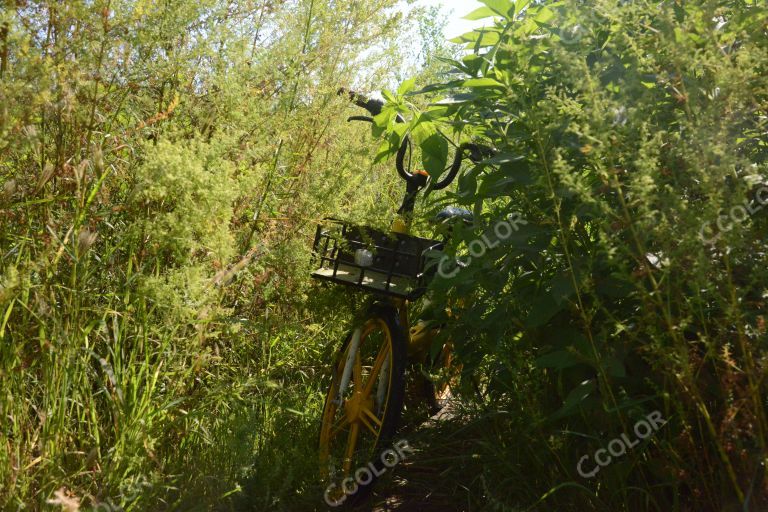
(365, 398)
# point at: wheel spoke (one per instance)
(383, 353)
(368, 425)
(353, 422)
(351, 445)
(337, 427)
(367, 417)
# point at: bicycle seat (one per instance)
(452, 213)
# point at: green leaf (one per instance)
(473, 63)
(406, 87)
(481, 38)
(467, 186)
(520, 5)
(696, 38)
(498, 185)
(439, 87)
(562, 287)
(543, 15)
(459, 99)
(390, 146)
(437, 111)
(382, 122)
(389, 96)
(559, 360)
(500, 7)
(543, 309)
(434, 154)
(518, 170)
(423, 130)
(575, 398)
(383, 153)
(464, 38)
(614, 288)
(680, 13)
(398, 132)
(513, 173)
(481, 14)
(614, 367)
(477, 83)
(502, 158)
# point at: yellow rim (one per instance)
(355, 415)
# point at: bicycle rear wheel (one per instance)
(362, 407)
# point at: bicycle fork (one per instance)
(349, 363)
(354, 346)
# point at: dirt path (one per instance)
(430, 479)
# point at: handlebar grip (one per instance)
(375, 107)
(400, 160)
(477, 153)
(364, 119)
(371, 105)
(455, 166)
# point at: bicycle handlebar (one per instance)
(375, 107)
(476, 153)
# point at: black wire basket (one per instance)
(389, 264)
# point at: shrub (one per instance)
(623, 131)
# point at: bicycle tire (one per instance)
(384, 318)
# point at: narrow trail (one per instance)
(430, 479)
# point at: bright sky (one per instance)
(456, 10)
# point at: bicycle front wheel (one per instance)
(363, 407)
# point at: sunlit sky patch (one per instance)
(456, 10)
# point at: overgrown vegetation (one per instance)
(163, 165)
(626, 134)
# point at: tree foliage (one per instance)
(162, 165)
(631, 138)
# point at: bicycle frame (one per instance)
(419, 336)
(365, 405)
